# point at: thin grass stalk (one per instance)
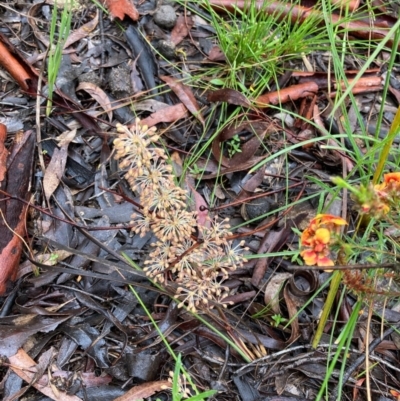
(344, 338)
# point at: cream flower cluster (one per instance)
(198, 264)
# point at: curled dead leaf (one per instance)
(99, 95)
(185, 95)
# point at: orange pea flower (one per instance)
(317, 238)
(391, 190)
(391, 177)
(328, 221)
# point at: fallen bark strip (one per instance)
(14, 65)
(12, 212)
(360, 89)
(302, 90)
(291, 93)
(325, 80)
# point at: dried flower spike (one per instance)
(198, 268)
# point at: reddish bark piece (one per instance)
(3, 151)
(290, 93)
(185, 95)
(325, 81)
(369, 82)
(351, 5)
(360, 89)
(363, 82)
(298, 14)
(181, 29)
(306, 111)
(12, 63)
(121, 8)
(13, 213)
(168, 114)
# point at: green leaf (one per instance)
(217, 82)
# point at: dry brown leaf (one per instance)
(168, 114)
(248, 149)
(25, 367)
(76, 35)
(32, 21)
(185, 95)
(230, 96)
(273, 289)
(293, 315)
(99, 95)
(245, 166)
(56, 167)
(150, 105)
(121, 8)
(144, 390)
(249, 187)
(181, 29)
(54, 171)
(82, 32)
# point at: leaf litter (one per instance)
(70, 327)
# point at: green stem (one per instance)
(394, 130)
(336, 280)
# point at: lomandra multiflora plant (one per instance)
(198, 258)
